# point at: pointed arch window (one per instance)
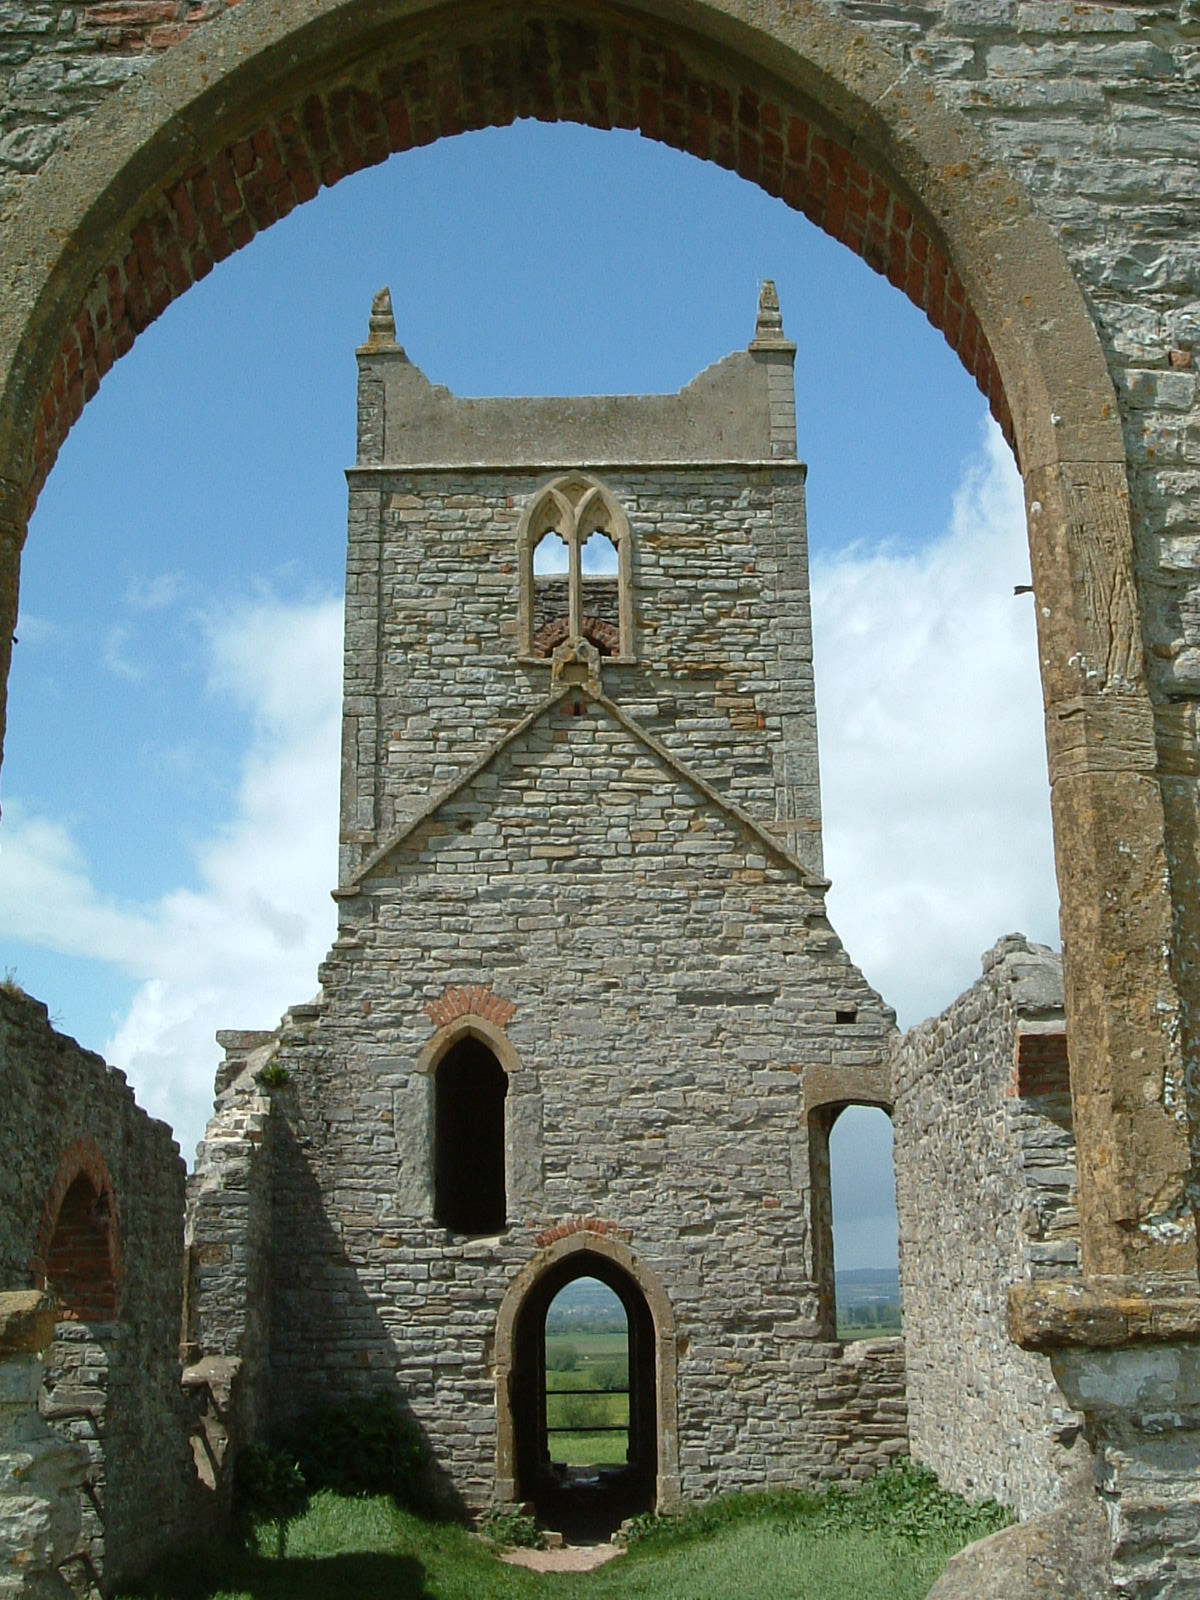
(576, 564)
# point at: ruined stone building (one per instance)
(584, 974)
(585, 1017)
(1026, 174)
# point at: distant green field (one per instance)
(588, 1346)
(871, 1322)
(596, 1363)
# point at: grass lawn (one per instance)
(741, 1549)
(593, 1363)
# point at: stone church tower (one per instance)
(585, 1015)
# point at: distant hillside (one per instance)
(587, 1305)
(868, 1285)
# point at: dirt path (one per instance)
(571, 1558)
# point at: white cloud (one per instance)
(550, 558)
(47, 897)
(935, 794)
(599, 556)
(114, 654)
(237, 949)
(154, 593)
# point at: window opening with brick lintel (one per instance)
(575, 560)
(470, 1087)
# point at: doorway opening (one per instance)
(584, 1398)
(587, 1379)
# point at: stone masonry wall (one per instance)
(228, 1233)
(862, 1407)
(984, 1186)
(41, 1475)
(667, 980)
(1092, 107)
(80, 1364)
(117, 1388)
(724, 676)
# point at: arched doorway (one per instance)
(187, 163)
(531, 1461)
(576, 1495)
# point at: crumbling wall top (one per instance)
(740, 409)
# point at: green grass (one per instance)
(786, 1546)
(865, 1330)
(595, 1363)
(590, 1449)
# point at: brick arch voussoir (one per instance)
(541, 66)
(82, 1158)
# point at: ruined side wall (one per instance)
(227, 1237)
(52, 1094)
(984, 1187)
(41, 1476)
(861, 1406)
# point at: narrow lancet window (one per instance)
(469, 1186)
(854, 1221)
(600, 566)
(551, 592)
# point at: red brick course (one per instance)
(475, 1001)
(512, 66)
(139, 27)
(1041, 1065)
(564, 1230)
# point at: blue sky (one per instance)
(169, 839)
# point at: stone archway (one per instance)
(248, 116)
(237, 124)
(587, 1250)
(77, 1256)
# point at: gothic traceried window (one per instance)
(575, 553)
